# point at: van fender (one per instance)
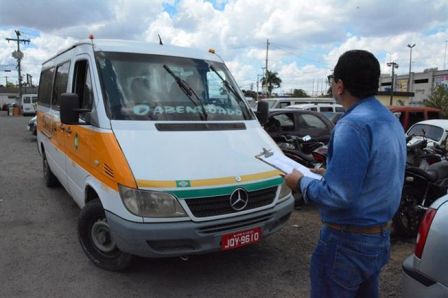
(109, 198)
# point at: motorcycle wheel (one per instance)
(407, 219)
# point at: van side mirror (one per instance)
(70, 108)
(262, 112)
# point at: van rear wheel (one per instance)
(49, 178)
(96, 239)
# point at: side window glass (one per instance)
(46, 86)
(339, 109)
(326, 109)
(83, 87)
(312, 121)
(60, 84)
(82, 84)
(286, 121)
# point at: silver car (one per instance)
(425, 273)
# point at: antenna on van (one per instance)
(160, 39)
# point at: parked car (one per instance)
(300, 123)
(29, 102)
(408, 115)
(333, 116)
(32, 125)
(435, 130)
(425, 272)
(283, 102)
(319, 107)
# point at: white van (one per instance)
(319, 107)
(156, 145)
(29, 102)
(284, 102)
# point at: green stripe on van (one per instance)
(227, 190)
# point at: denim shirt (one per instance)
(365, 168)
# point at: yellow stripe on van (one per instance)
(208, 182)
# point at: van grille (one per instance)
(219, 205)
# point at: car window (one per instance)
(60, 84)
(326, 109)
(286, 121)
(313, 121)
(429, 131)
(313, 109)
(339, 109)
(46, 86)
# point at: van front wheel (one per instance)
(49, 178)
(96, 239)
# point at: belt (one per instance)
(357, 229)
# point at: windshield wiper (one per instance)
(226, 83)
(188, 92)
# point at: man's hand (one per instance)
(320, 171)
(292, 180)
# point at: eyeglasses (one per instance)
(331, 79)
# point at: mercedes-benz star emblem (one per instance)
(239, 199)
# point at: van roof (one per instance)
(132, 46)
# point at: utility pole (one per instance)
(393, 65)
(266, 67)
(410, 46)
(18, 55)
(444, 59)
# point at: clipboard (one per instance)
(284, 164)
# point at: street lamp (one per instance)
(393, 65)
(410, 46)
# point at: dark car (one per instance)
(299, 123)
(333, 116)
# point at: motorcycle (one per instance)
(299, 149)
(421, 188)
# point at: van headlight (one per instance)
(147, 203)
(285, 192)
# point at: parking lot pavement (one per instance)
(41, 257)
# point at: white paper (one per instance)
(286, 164)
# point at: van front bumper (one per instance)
(173, 239)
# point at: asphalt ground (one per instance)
(40, 255)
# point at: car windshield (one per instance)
(155, 87)
(430, 131)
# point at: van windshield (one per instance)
(166, 88)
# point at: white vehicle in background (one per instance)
(29, 102)
(425, 272)
(319, 107)
(434, 130)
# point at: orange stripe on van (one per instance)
(96, 152)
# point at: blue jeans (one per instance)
(347, 264)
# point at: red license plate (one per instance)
(239, 239)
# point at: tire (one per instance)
(96, 241)
(49, 178)
(407, 219)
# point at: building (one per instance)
(11, 95)
(420, 88)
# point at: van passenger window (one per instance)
(82, 84)
(60, 84)
(339, 109)
(326, 109)
(46, 86)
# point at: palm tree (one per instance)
(271, 80)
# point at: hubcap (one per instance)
(101, 236)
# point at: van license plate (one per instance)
(239, 239)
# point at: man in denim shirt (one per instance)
(361, 188)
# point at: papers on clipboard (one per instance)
(284, 163)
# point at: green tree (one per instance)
(10, 85)
(299, 93)
(271, 80)
(439, 99)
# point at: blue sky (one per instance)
(306, 37)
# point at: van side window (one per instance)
(46, 86)
(326, 109)
(82, 84)
(60, 83)
(339, 109)
(283, 105)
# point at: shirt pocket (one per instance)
(353, 264)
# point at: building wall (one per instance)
(421, 83)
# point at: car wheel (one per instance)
(49, 177)
(96, 239)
